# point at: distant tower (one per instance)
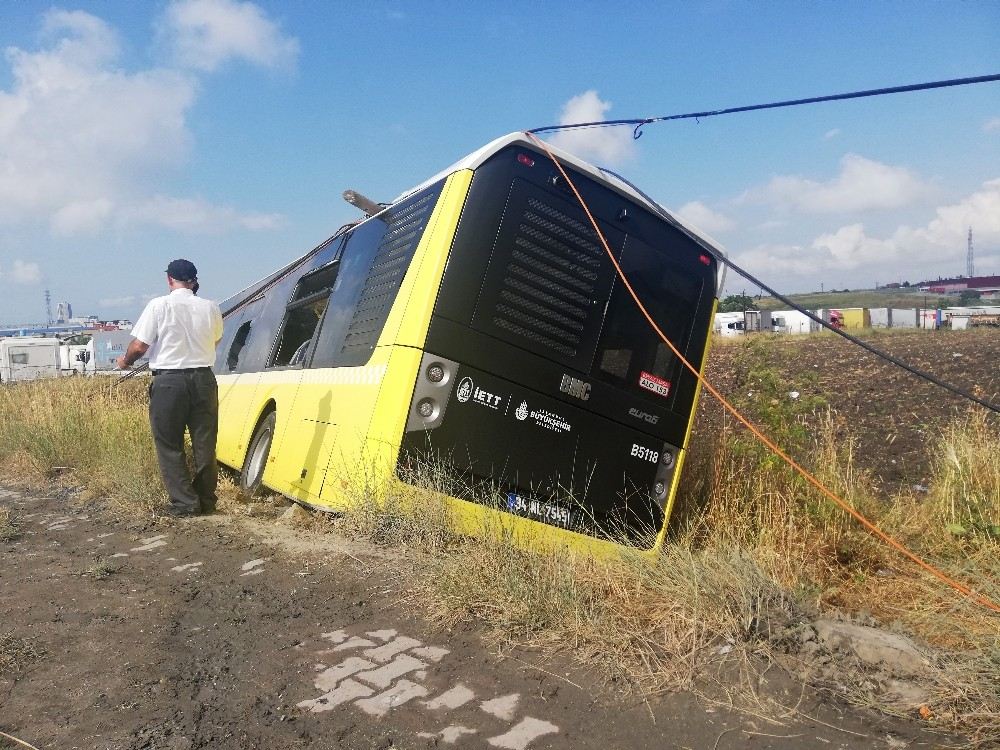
(48, 308)
(970, 262)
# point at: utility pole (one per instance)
(970, 262)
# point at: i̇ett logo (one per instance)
(465, 390)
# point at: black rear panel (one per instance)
(583, 397)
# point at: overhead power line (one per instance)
(639, 122)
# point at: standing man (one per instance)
(180, 331)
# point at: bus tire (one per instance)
(256, 460)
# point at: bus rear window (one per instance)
(629, 354)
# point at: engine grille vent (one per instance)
(550, 280)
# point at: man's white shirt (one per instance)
(181, 330)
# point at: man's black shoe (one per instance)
(176, 511)
(207, 509)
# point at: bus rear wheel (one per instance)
(256, 461)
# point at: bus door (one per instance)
(306, 427)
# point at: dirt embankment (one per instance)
(894, 417)
(235, 633)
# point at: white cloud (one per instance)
(607, 146)
(81, 139)
(82, 217)
(861, 185)
(204, 34)
(831, 134)
(193, 215)
(992, 125)
(771, 224)
(949, 229)
(24, 272)
(74, 130)
(702, 217)
(117, 301)
(941, 243)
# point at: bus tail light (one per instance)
(436, 373)
(427, 408)
(526, 160)
(665, 467)
(431, 393)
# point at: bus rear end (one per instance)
(542, 391)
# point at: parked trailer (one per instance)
(904, 317)
(856, 318)
(28, 359)
(729, 323)
(107, 347)
(97, 352)
(792, 321)
(757, 320)
(74, 355)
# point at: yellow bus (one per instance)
(476, 324)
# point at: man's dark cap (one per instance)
(182, 270)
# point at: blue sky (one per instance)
(225, 131)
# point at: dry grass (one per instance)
(413, 517)
(92, 429)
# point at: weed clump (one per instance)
(10, 528)
(16, 655)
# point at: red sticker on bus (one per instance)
(659, 386)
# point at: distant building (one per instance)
(961, 284)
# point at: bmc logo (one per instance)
(575, 387)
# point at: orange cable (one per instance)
(875, 530)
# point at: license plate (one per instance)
(538, 510)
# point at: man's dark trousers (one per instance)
(179, 399)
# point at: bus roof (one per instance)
(612, 180)
(480, 155)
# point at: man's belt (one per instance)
(181, 369)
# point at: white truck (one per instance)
(26, 358)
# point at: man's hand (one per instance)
(136, 349)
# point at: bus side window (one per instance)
(302, 315)
(239, 341)
(374, 261)
(231, 354)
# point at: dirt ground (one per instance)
(225, 632)
(895, 417)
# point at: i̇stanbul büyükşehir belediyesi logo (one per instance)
(464, 390)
